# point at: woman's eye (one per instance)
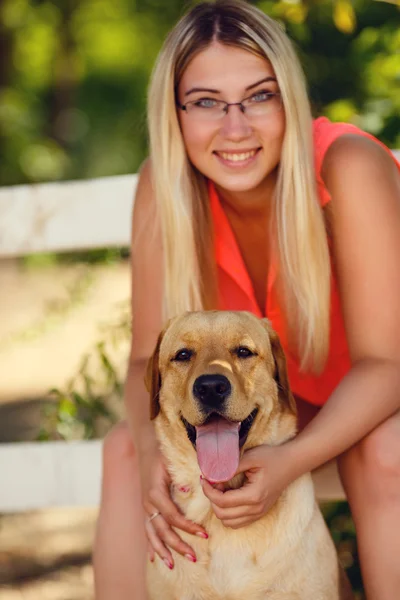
(262, 97)
(243, 352)
(183, 355)
(206, 103)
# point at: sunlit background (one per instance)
(73, 79)
(74, 75)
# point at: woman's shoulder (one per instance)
(326, 132)
(362, 176)
(340, 145)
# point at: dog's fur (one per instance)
(288, 553)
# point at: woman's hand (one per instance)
(157, 501)
(269, 470)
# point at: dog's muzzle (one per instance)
(212, 390)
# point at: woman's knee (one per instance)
(376, 459)
(118, 447)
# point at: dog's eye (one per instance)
(183, 355)
(243, 352)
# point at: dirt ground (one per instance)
(49, 318)
(46, 555)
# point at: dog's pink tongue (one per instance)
(217, 445)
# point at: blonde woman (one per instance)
(247, 203)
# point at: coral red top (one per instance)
(236, 290)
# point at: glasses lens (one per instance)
(206, 110)
(262, 104)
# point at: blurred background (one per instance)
(73, 84)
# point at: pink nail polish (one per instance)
(202, 534)
(168, 563)
(191, 557)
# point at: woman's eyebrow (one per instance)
(198, 89)
(212, 91)
(253, 85)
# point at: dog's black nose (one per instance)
(212, 390)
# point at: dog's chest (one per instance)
(229, 562)
(231, 565)
(278, 557)
(232, 572)
(224, 571)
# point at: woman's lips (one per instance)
(237, 159)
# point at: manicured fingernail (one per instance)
(191, 557)
(168, 563)
(184, 488)
(202, 534)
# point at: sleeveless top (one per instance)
(236, 292)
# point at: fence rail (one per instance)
(54, 217)
(75, 215)
(37, 475)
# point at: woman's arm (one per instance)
(365, 187)
(365, 211)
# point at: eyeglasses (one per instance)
(260, 104)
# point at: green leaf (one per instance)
(80, 400)
(67, 408)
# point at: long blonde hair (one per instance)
(181, 191)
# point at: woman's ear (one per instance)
(281, 375)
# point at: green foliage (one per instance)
(73, 90)
(75, 411)
(338, 518)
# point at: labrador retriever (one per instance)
(218, 386)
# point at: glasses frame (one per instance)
(226, 105)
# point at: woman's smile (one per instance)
(237, 159)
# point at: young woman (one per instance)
(246, 203)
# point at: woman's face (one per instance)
(236, 151)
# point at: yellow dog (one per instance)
(218, 387)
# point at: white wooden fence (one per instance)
(72, 216)
(47, 218)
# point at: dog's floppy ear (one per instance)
(152, 379)
(281, 374)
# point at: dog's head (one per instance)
(219, 380)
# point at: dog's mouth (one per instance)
(218, 442)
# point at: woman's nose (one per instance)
(235, 125)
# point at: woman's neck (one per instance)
(255, 203)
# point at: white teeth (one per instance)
(237, 157)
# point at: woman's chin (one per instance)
(239, 184)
